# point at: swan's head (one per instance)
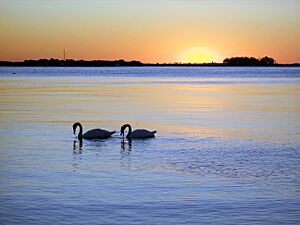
(75, 125)
(122, 130)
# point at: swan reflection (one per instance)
(126, 147)
(125, 157)
(77, 147)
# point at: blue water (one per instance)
(227, 149)
(156, 72)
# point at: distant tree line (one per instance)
(249, 61)
(71, 62)
(234, 61)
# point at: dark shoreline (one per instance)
(160, 65)
(123, 63)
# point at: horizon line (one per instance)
(145, 63)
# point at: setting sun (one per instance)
(199, 55)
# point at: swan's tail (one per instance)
(112, 132)
(153, 132)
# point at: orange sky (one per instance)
(150, 31)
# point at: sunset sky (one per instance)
(150, 31)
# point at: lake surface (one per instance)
(227, 150)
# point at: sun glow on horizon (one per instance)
(199, 55)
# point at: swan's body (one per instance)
(137, 134)
(92, 134)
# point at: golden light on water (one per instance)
(201, 109)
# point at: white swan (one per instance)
(139, 133)
(92, 134)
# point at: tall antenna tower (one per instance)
(64, 54)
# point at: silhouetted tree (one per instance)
(246, 61)
(267, 61)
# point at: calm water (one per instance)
(227, 149)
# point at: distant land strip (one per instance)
(234, 61)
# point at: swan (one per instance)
(139, 133)
(92, 134)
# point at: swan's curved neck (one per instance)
(129, 131)
(80, 131)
